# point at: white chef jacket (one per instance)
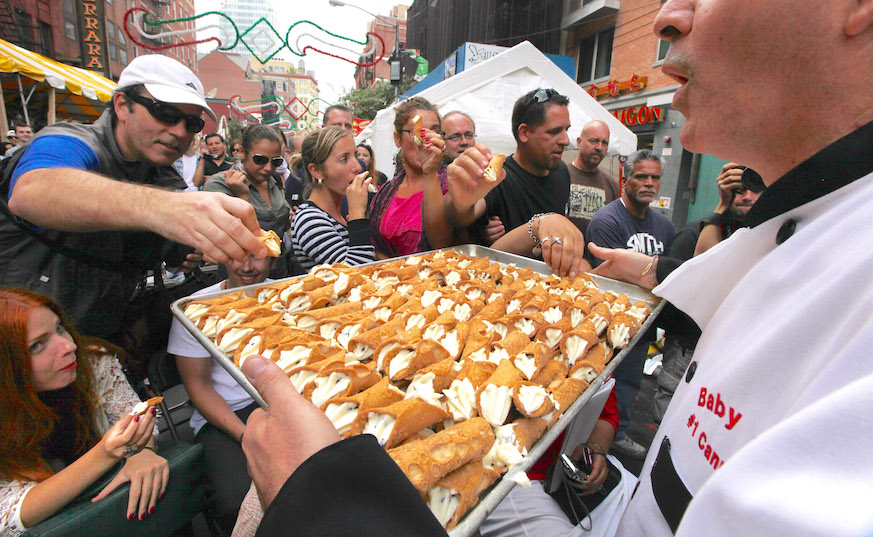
(773, 433)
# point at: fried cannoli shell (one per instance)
(267, 293)
(302, 376)
(529, 323)
(518, 301)
(522, 404)
(537, 304)
(447, 319)
(585, 370)
(621, 303)
(454, 341)
(219, 300)
(622, 329)
(492, 311)
(599, 354)
(308, 320)
(240, 332)
(553, 334)
(477, 372)
(528, 431)
(532, 359)
(553, 370)
(565, 392)
(505, 376)
(421, 317)
(478, 338)
(426, 461)
(424, 353)
(374, 337)
(445, 371)
(410, 415)
(381, 394)
(468, 482)
(242, 307)
(328, 328)
(578, 341)
(346, 281)
(360, 376)
(466, 311)
(509, 347)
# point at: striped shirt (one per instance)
(319, 239)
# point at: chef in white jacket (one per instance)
(771, 430)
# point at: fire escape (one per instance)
(23, 28)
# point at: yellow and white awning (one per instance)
(14, 59)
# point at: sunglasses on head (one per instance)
(169, 114)
(260, 160)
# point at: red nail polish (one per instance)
(130, 516)
(161, 497)
(154, 411)
(142, 516)
(136, 419)
(151, 510)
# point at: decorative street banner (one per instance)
(93, 34)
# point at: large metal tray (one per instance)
(472, 520)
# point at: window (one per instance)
(595, 56)
(663, 47)
(69, 8)
(122, 56)
(121, 38)
(70, 30)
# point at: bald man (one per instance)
(590, 187)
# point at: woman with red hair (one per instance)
(65, 418)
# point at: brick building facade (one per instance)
(366, 77)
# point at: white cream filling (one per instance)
(528, 284)
(383, 352)
(346, 334)
(380, 426)
(480, 355)
(416, 320)
(451, 344)
(299, 304)
(434, 332)
(513, 305)
(452, 278)
(575, 347)
(464, 263)
(251, 348)
(323, 272)
(302, 378)
(553, 315)
(382, 281)
(461, 399)
(383, 314)
(399, 362)
(328, 329)
(265, 295)
(462, 312)
(474, 293)
(294, 357)
(268, 354)
(443, 503)
(404, 288)
(307, 322)
(232, 338)
(553, 336)
(355, 295)
(619, 336)
(371, 302)
(501, 329)
(445, 304)
(639, 314)
(422, 387)
(290, 290)
(599, 323)
(362, 352)
(413, 260)
(527, 326)
(342, 415)
(494, 404)
(503, 452)
(576, 317)
(586, 373)
(326, 388)
(341, 284)
(571, 293)
(497, 354)
(195, 311)
(232, 318)
(531, 397)
(210, 327)
(526, 364)
(429, 298)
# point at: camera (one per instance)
(577, 471)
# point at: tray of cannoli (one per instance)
(465, 363)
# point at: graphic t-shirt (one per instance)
(615, 227)
(589, 192)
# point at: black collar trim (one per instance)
(832, 168)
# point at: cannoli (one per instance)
(456, 340)
(271, 242)
(532, 358)
(389, 348)
(396, 422)
(342, 382)
(417, 127)
(495, 165)
(492, 311)
(195, 309)
(640, 310)
(301, 285)
(512, 442)
(622, 329)
(577, 342)
(303, 375)
(494, 397)
(329, 327)
(584, 370)
(143, 407)
(464, 311)
(531, 399)
(461, 397)
(420, 318)
(343, 411)
(404, 361)
(537, 304)
(444, 372)
(478, 339)
(459, 491)
(219, 317)
(426, 461)
(453, 277)
(508, 347)
(476, 372)
(363, 345)
(326, 273)
(501, 328)
(577, 312)
(553, 370)
(553, 334)
(229, 339)
(345, 282)
(554, 311)
(274, 336)
(363, 291)
(307, 300)
(440, 326)
(620, 304)
(564, 393)
(308, 320)
(529, 323)
(599, 354)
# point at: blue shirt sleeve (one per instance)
(54, 151)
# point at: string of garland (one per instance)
(138, 27)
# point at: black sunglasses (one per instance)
(169, 114)
(260, 160)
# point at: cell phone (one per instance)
(576, 471)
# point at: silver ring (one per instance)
(557, 240)
(546, 239)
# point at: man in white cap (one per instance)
(90, 206)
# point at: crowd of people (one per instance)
(767, 319)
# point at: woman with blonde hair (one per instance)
(65, 419)
(319, 232)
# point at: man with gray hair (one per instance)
(460, 133)
(627, 223)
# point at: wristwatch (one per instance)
(715, 219)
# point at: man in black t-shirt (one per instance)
(534, 181)
(213, 160)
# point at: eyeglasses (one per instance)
(169, 114)
(260, 160)
(457, 136)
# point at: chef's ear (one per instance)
(860, 19)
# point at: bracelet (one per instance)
(652, 271)
(152, 448)
(530, 223)
(599, 449)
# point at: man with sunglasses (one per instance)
(531, 196)
(90, 206)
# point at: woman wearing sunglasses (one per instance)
(253, 178)
(65, 419)
(320, 234)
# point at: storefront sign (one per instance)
(639, 115)
(614, 88)
(91, 28)
(476, 53)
